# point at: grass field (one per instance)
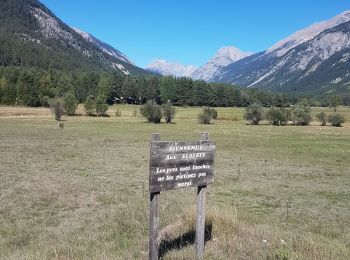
(82, 192)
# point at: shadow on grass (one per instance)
(184, 240)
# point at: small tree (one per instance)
(278, 116)
(56, 107)
(90, 106)
(70, 104)
(301, 115)
(152, 112)
(336, 120)
(101, 106)
(322, 118)
(254, 113)
(169, 112)
(206, 116)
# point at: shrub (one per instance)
(90, 106)
(169, 112)
(157, 114)
(214, 113)
(336, 120)
(70, 104)
(322, 118)
(206, 116)
(254, 113)
(101, 106)
(56, 107)
(278, 116)
(146, 110)
(152, 112)
(301, 115)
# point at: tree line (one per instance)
(35, 87)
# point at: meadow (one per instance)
(280, 192)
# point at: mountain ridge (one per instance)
(105, 47)
(31, 35)
(223, 57)
(296, 64)
(166, 68)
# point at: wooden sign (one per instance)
(176, 165)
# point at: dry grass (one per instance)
(82, 191)
(24, 112)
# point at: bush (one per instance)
(70, 104)
(278, 116)
(336, 120)
(157, 114)
(169, 112)
(301, 115)
(146, 110)
(214, 113)
(152, 112)
(254, 113)
(206, 116)
(101, 107)
(322, 118)
(90, 106)
(56, 107)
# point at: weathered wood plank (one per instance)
(172, 163)
(163, 182)
(200, 211)
(181, 159)
(182, 147)
(200, 221)
(154, 218)
(180, 170)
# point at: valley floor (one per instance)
(82, 191)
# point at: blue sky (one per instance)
(190, 32)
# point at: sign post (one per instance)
(154, 217)
(200, 213)
(175, 165)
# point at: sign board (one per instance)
(176, 165)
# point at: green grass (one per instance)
(82, 191)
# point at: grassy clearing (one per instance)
(82, 191)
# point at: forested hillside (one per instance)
(32, 36)
(34, 87)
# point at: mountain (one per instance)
(224, 57)
(313, 60)
(31, 35)
(103, 46)
(165, 68)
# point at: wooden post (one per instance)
(154, 218)
(200, 211)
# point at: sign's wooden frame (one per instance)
(175, 165)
